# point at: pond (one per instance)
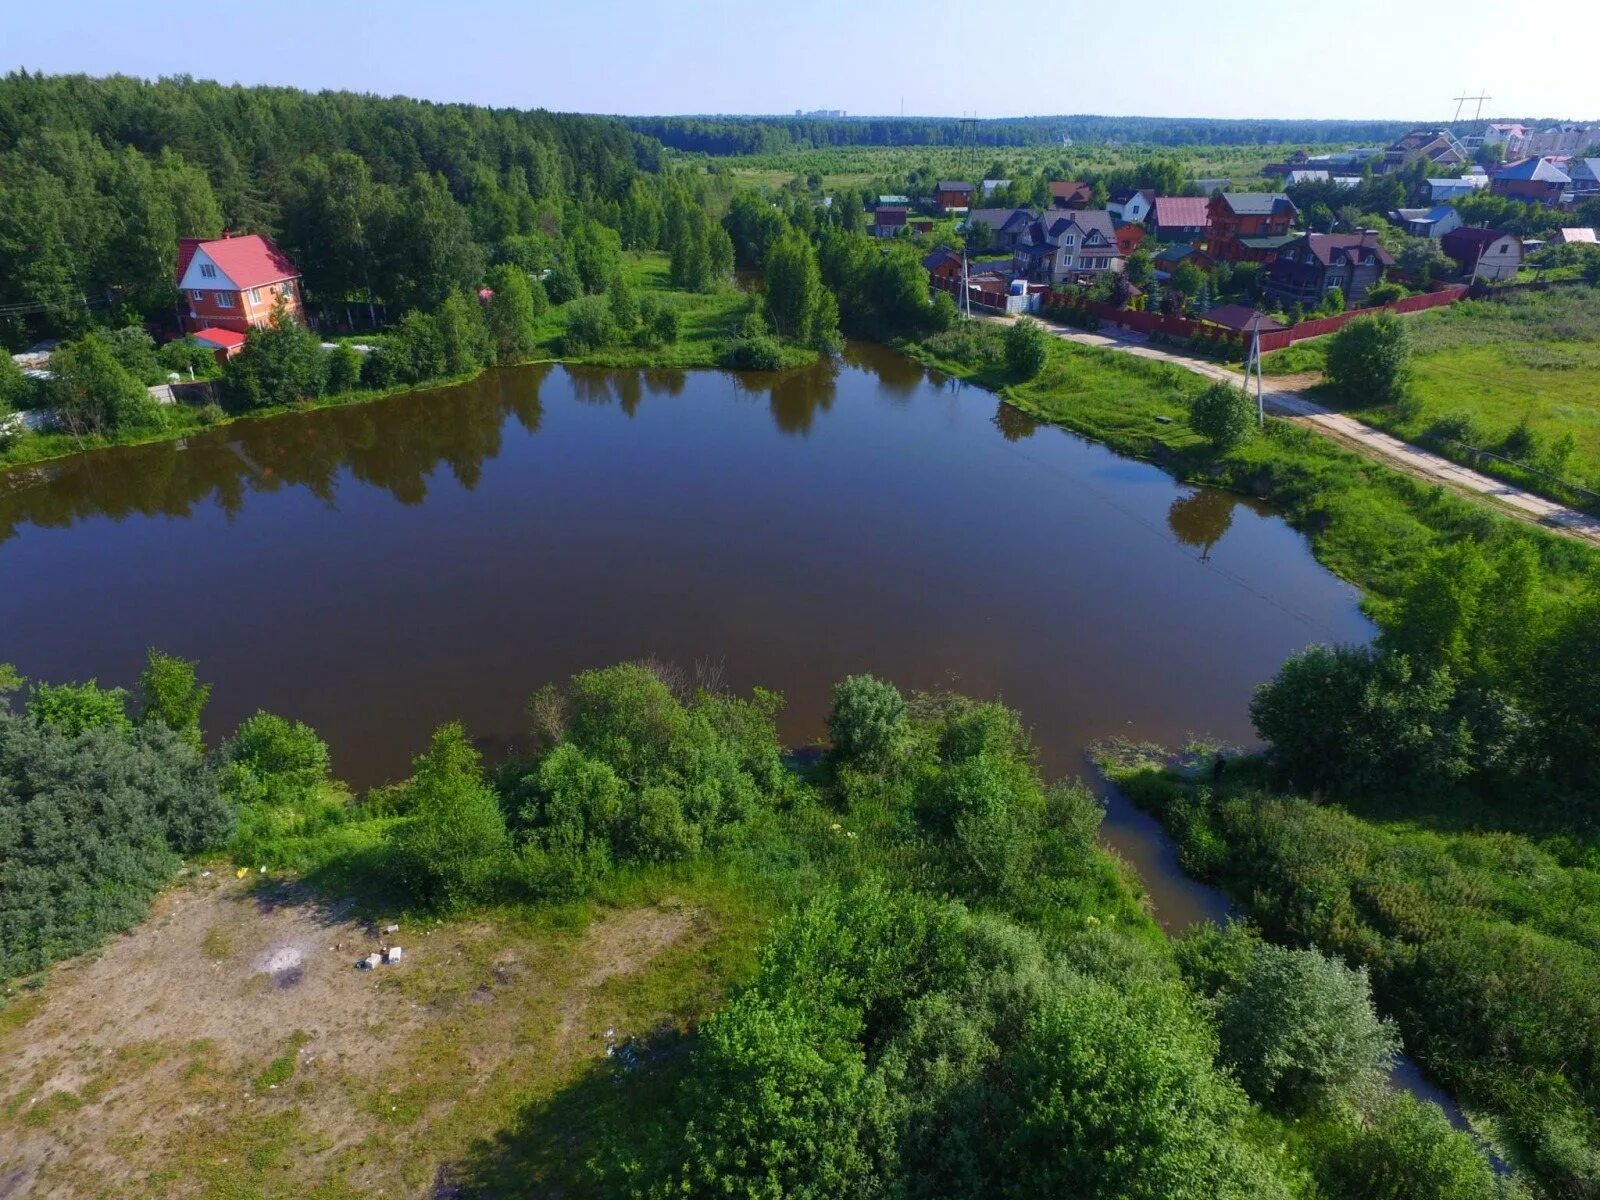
(379, 569)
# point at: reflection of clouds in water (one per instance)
(1201, 518)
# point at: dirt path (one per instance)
(1286, 397)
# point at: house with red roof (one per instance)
(234, 283)
(1179, 218)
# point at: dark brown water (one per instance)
(380, 569)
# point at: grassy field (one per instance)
(1519, 377)
(1370, 524)
(867, 166)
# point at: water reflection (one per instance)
(1013, 423)
(395, 444)
(794, 398)
(1203, 517)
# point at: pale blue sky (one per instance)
(1357, 58)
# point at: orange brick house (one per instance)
(1242, 222)
(234, 282)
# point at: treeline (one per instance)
(758, 134)
(387, 202)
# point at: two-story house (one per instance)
(1062, 246)
(1313, 264)
(1484, 253)
(1248, 226)
(235, 283)
(952, 196)
(1005, 225)
(1585, 176)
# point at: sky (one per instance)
(1367, 59)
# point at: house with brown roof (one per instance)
(889, 220)
(1248, 226)
(1068, 246)
(1179, 218)
(1306, 269)
(236, 282)
(943, 266)
(1129, 238)
(1070, 194)
(1484, 253)
(952, 196)
(1240, 318)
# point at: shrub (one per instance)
(173, 695)
(1409, 1150)
(185, 356)
(92, 821)
(1027, 347)
(1224, 415)
(1351, 717)
(590, 326)
(1301, 1034)
(866, 721)
(93, 391)
(453, 849)
(344, 369)
(281, 362)
(1386, 292)
(1369, 360)
(73, 708)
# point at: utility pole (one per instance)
(1254, 366)
(1478, 112)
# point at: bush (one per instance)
(1408, 1151)
(1300, 1032)
(1351, 718)
(185, 356)
(93, 391)
(173, 695)
(1369, 360)
(1386, 292)
(1224, 415)
(1027, 347)
(590, 326)
(866, 721)
(281, 363)
(344, 369)
(93, 817)
(453, 850)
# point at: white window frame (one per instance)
(208, 271)
(197, 295)
(255, 295)
(224, 299)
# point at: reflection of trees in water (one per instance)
(793, 397)
(1013, 423)
(899, 376)
(394, 444)
(1201, 518)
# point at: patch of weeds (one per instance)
(281, 1069)
(218, 944)
(51, 1107)
(18, 1011)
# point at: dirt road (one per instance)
(1286, 397)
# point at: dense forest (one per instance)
(760, 135)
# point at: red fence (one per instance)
(1220, 338)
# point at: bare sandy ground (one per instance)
(231, 1037)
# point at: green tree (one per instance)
(1369, 360)
(93, 392)
(624, 302)
(590, 326)
(1141, 267)
(1224, 415)
(512, 313)
(281, 363)
(1301, 1034)
(793, 286)
(432, 254)
(1027, 347)
(76, 707)
(173, 695)
(464, 332)
(452, 850)
(344, 369)
(866, 721)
